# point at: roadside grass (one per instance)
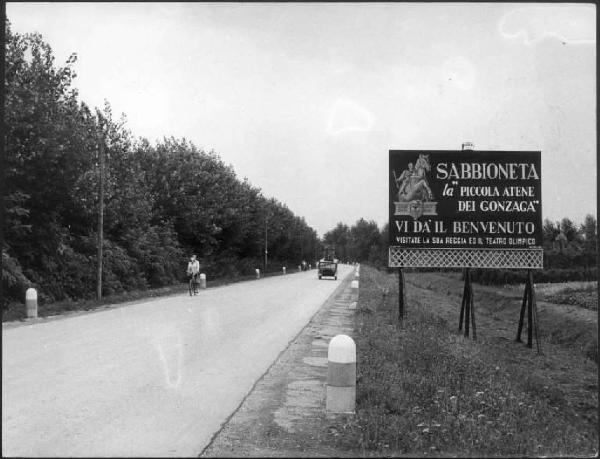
(422, 389)
(17, 312)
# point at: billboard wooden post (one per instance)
(471, 304)
(529, 303)
(467, 308)
(535, 314)
(462, 306)
(401, 294)
(523, 306)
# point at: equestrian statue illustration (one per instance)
(412, 183)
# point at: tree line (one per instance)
(162, 202)
(363, 242)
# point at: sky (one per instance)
(306, 100)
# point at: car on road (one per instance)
(327, 268)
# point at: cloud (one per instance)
(348, 116)
(573, 24)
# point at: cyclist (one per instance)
(193, 269)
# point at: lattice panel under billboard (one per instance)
(465, 258)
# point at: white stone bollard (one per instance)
(283, 269)
(341, 375)
(299, 268)
(257, 273)
(354, 284)
(31, 305)
(202, 280)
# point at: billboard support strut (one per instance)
(401, 294)
(529, 303)
(467, 308)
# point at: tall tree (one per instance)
(550, 231)
(569, 229)
(364, 238)
(47, 140)
(589, 229)
(589, 232)
(339, 238)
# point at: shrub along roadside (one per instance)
(582, 297)
(508, 276)
(422, 389)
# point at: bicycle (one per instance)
(193, 287)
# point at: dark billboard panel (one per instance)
(465, 199)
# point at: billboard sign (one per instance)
(466, 205)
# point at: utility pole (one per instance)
(3, 174)
(266, 249)
(100, 216)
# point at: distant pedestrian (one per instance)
(193, 265)
(193, 269)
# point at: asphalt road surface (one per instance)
(153, 378)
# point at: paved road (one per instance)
(154, 378)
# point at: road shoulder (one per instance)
(284, 415)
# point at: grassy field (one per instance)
(424, 389)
